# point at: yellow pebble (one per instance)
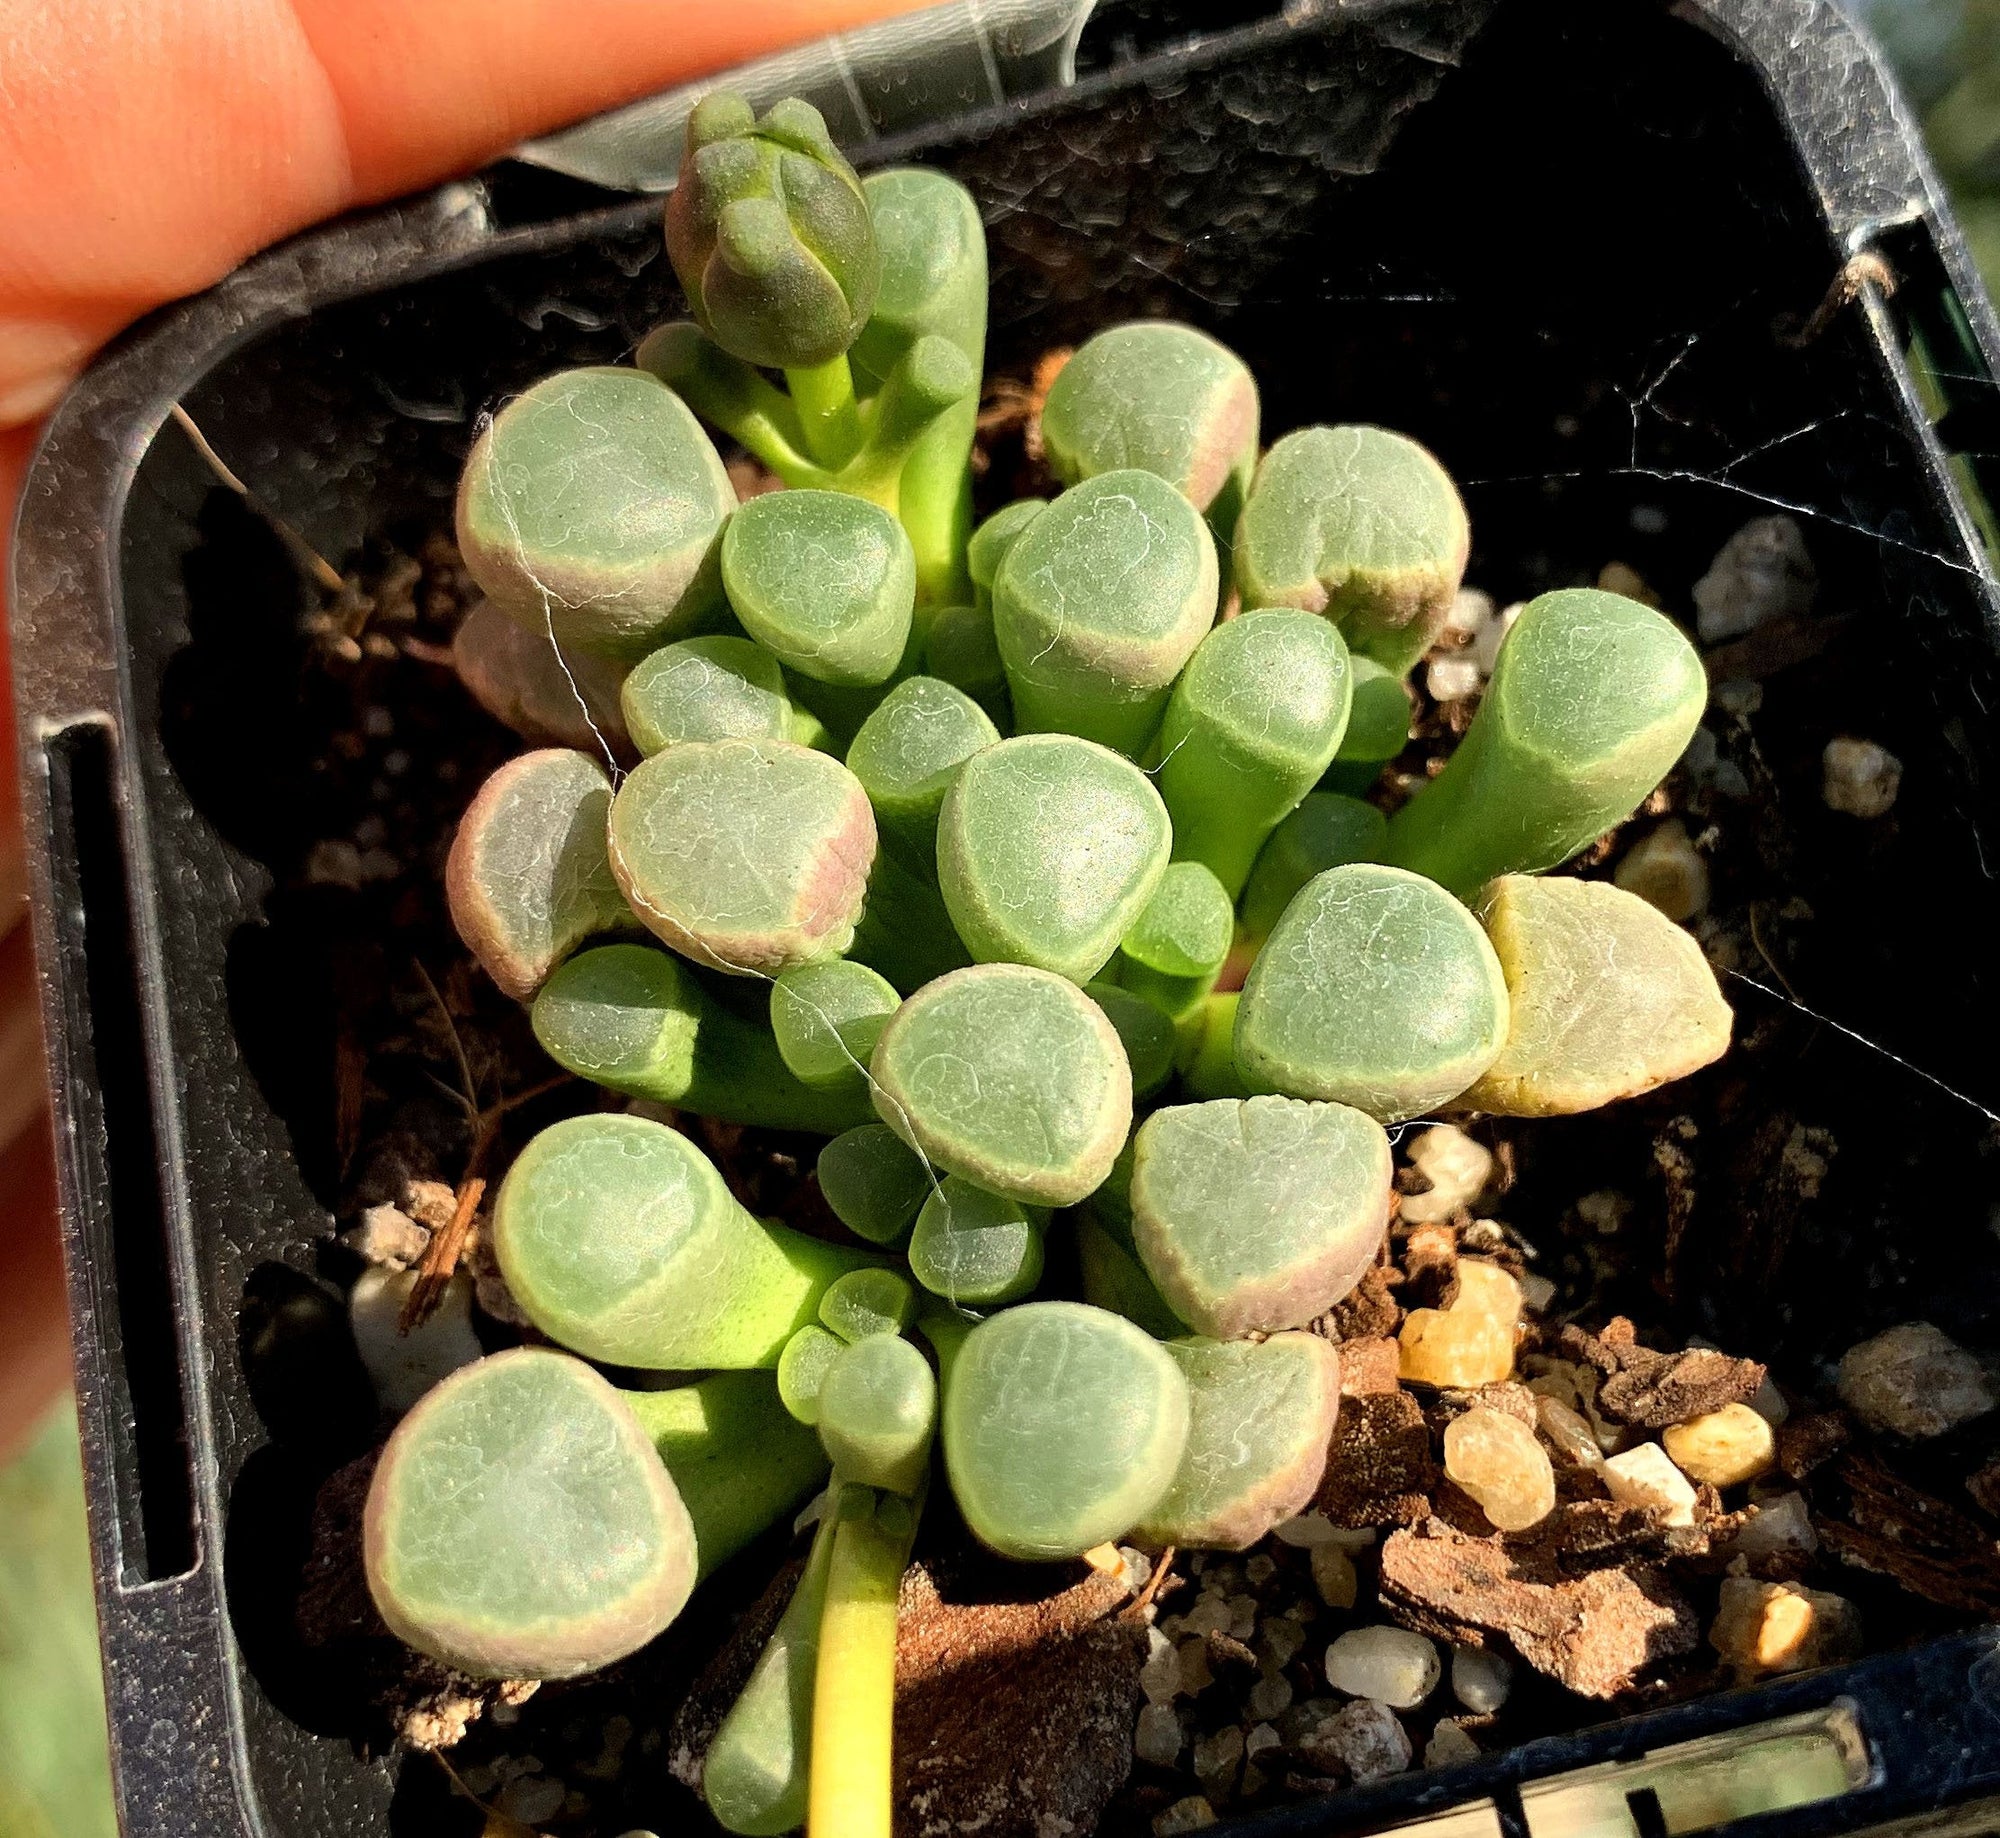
(1727, 1446)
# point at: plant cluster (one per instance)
(1025, 865)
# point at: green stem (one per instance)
(823, 395)
(854, 1691)
(732, 396)
(934, 504)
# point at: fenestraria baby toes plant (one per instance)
(1054, 903)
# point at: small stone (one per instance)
(1242, 1617)
(1195, 1674)
(1364, 1737)
(1858, 777)
(1188, 1815)
(1645, 1476)
(1160, 1676)
(1449, 1745)
(1260, 1570)
(1765, 1628)
(1723, 1448)
(1769, 1403)
(1158, 1736)
(430, 1203)
(1664, 869)
(1914, 1381)
(1390, 1664)
(1307, 1530)
(1262, 1737)
(1453, 677)
(388, 1236)
(1269, 1697)
(1480, 1680)
(405, 1366)
(1604, 1210)
(1216, 1760)
(1455, 1349)
(1333, 1576)
(1568, 1432)
(1740, 696)
(1780, 1527)
(1497, 1460)
(1135, 1568)
(1457, 1168)
(1210, 1615)
(1354, 1539)
(1255, 1780)
(1763, 572)
(1470, 610)
(1537, 1292)
(1281, 1641)
(1492, 635)
(532, 1798)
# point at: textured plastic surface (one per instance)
(1382, 203)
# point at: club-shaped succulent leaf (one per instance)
(1099, 603)
(621, 1241)
(755, 1774)
(710, 688)
(1010, 1077)
(906, 755)
(590, 510)
(520, 1524)
(1260, 1213)
(1359, 524)
(738, 1458)
(1063, 1428)
(528, 879)
(960, 649)
(638, 1020)
(1251, 726)
(904, 930)
(1049, 848)
(802, 1368)
(933, 250)
(1145, 1031)
(549, 698)
(771, 235)
(877, 1413)
(824, 581)
(1260, 1419)
(1376, 989)
(1164, 398)
(975, 1248)
(865, 1302)
(1593, 699)
(991, 541)
(1207, 1056)
(1114, 1279)
(748, 856)
(1326, 831)
(874, 1181)
(826, 1019)
(1185, 931)
(1378, 727)
(1607, 998)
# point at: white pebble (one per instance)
(1449, 1745)
(1666, 871)
(1365, 1737)
(1187, 1815)
(1537, 1292)
(1762, 572)
(1208, 1616)
(1470, 610)
(1158, 1737)
(1262, 1737)
(1242, 1617)
(1914, 1380)
(1645, 1476)
(405, 1366)
(1389, 1664)
(1858, 777)
(389, 1236)
(1457, 1168)
(1480, 1680)
(1333, 1576)
(1778, 1527)
(1453, 677)
(1492, 635)
(1160, 1676)
(1269, 1697)
(1281, 1642)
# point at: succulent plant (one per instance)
(966, 850)
(591, 510)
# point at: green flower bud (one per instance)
(770, 234)
(1258, 1214)
(1261, 1415)
(1010, 1077)
(528, 879)
(874, 1181)
(520, 1524)
(1063, 1428)
(1593, 699)
(824, 581)
(1164, 398)
(1326, 831)
(1253, 722)
(1377, 989)
(620, 1240)
(590, 511)
(975, 1248)
(1099, 603)
(747, 856)
(877, 1413)
(1048, 849)
(1359, 524)
(712, 688)
(1607, 998)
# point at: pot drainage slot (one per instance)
(114, 1148)
(1713, 1781)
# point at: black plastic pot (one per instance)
(1563, 241)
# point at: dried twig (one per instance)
(1859, 271)
(315, 564)
(1154, 1584)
